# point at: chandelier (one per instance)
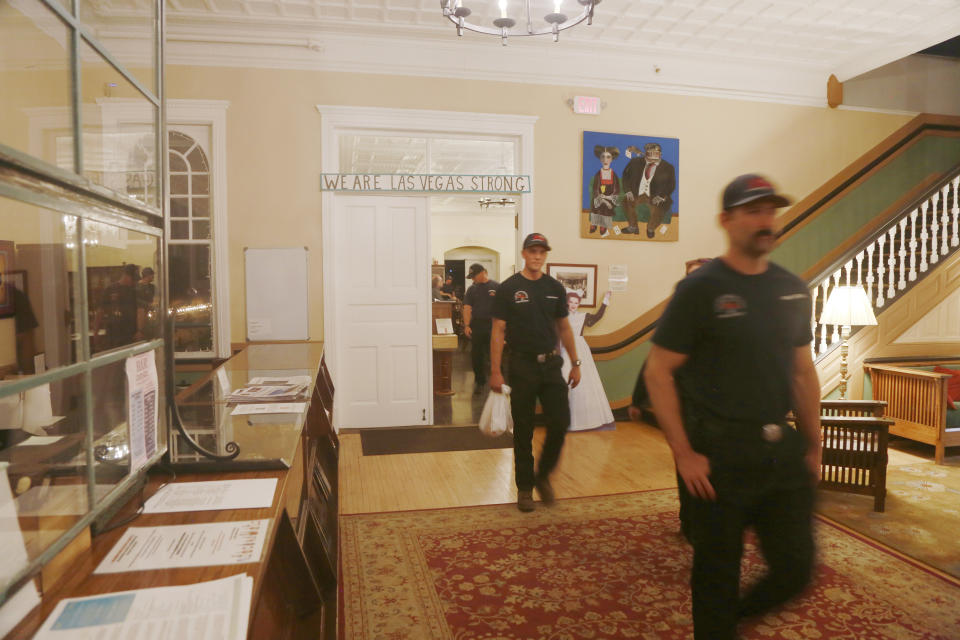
(503, 26)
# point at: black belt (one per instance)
(539, 357)
(770, 432)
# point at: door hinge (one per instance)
(424, 416)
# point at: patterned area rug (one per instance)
(604, 567)
(922, 514)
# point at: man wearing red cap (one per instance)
(734, 345)
(529, 314)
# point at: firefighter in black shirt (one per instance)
(477, 305)
(734, 345)
(530, 312)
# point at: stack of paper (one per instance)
(272, 390)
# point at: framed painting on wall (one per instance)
(581, 278)
(630, 187)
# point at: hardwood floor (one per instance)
(634, 457)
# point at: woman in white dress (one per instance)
(589, 407)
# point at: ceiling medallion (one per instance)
(457, 13)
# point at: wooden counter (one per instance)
(295, 583)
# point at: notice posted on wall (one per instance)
(142, 390)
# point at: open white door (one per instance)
(382, 311)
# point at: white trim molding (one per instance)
(213, 113)
(574, 64)
(114, 112)
(335, 119)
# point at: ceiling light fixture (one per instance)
(503, 26)
(502, 202)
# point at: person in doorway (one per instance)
(734, 346)
(648, 183)
(589, 407)
(449, 288)
(477, 320)
(530, 315)
(437, 291)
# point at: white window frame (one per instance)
(336, 120)
(211, 113)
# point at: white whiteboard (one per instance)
(276, 292)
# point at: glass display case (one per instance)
(83, 411)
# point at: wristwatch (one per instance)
(576, 363)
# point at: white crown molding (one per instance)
(567, 63)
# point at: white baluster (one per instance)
(880, 269)
(902, 284)
(923, 237)
(913, 245)
(823, 328)
(870, 250)
(892, 263)
(944, 221)
(835, 336)
(847, 268)
(934, 230)
(955, 211)
(860, 270)
(813, 318)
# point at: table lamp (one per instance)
(847, 306)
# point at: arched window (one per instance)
(191, 297)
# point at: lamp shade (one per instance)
(848, 305)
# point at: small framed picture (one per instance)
(581, 278)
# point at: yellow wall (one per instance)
(273, 156)
(494, 232)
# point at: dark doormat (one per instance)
(383, 442)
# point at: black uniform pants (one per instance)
(758, 484)
(480, 349)
(531, 380)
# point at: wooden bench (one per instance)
(917, 402)
(854, 436)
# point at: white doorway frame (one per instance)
(335, 119)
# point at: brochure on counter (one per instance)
(272, 389)
(215, 610)
(213, 495)
(187, 545)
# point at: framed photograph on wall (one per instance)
(581, 278)
(630, 187)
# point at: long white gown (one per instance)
(589, 407)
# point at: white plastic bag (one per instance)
(496, 418)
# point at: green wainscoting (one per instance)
(620, 374)
(930, 155)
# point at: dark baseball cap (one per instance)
(751, 187)
(536, 239)
(475, 268)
